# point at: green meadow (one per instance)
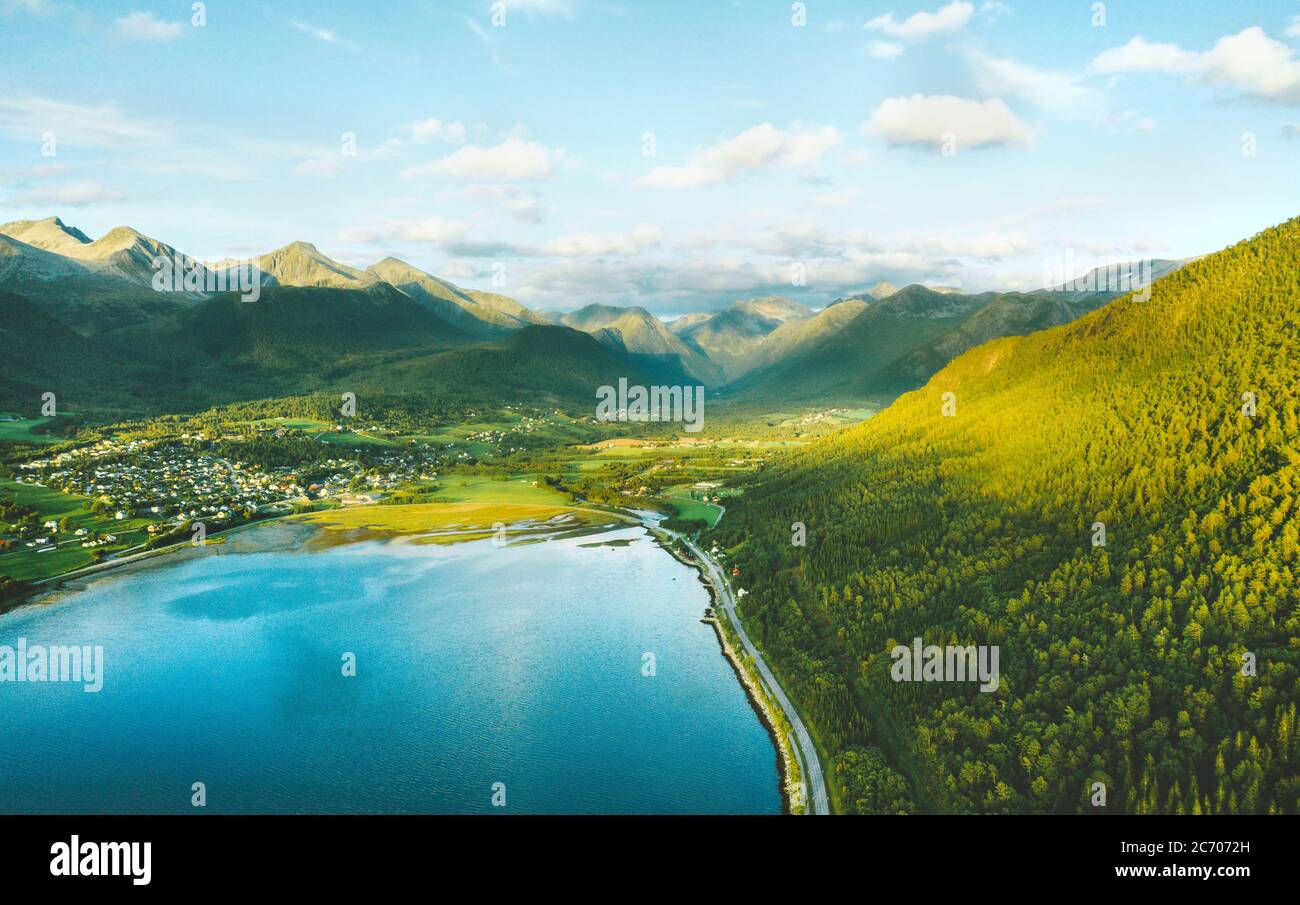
(27, 563)
(24, 431)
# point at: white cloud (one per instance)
(1131, 121)
(436, 230)
(591, 245)
(989, 246)
(426, 130)
(38, 171)
(489, 43)
(754, 149)
(422, 132)
(320, 166)
(541, 7)
(453, 237)
(101, 126)
(994, 10)
(325, 35)
(79, 194)
(1250, 62)
(35, 7)
(884, 50)
(1059, 93)
(525, 209)
(140, 26)
(837, 197)
(925, 119)
(949, 18)
(1138, 55)
(514, 160)
(519, 203)
(1293, 30)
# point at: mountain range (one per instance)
(320, 324)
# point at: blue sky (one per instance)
(677, 155)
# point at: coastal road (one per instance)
(814, 781)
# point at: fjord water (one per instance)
(475, 665)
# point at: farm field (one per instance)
(689, 508)
(23, 431)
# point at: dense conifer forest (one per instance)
(1161, 663)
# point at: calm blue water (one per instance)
(475, 665)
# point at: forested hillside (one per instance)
(1121, 664)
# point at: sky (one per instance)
(675, 154)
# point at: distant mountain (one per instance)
(301, 264)
(121, 252)
(472, 311)
(509, 311)
(797, 337)
(107, 284)
(1117, 279)
(536, 363)
(99, 286)
(680, 324)
(884, 289)
(648, 342)
(50, 234)
(1007, 314)
(894, 345)
(881, 290)
(729, 335)
(853, 361)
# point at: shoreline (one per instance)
(283, 532)
(762, 709)
(54, 589)
(758, 701)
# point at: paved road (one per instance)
(806, 752)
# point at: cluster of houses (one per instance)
(826, 415)
(707, 491)
(46, 542)
(160, 480)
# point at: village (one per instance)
(135, 490)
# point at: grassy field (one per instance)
(689, 508)
(425, 517)
(23, 431)
(307, 425)
(50, 503)
(639, 449)
(517, 490)
(26, 563)
(471, 502)
(356, 438)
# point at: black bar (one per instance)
(330, 853)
